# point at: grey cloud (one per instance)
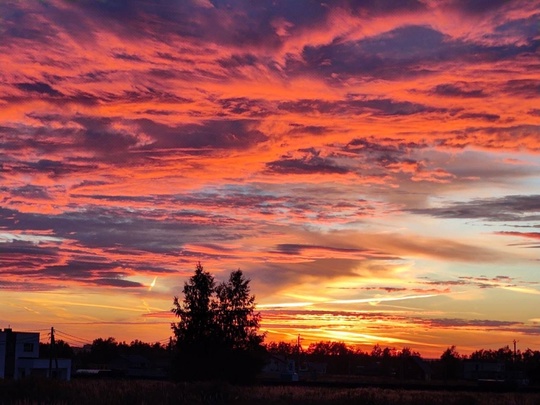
(357, 106)
(153, 111)
(89, 272)
(100, 136)
(248, 25)
(382, 146)
(18, 247)
(497, 137)
(480, 116)
(18, 23)
(30, 191)
(369, 156)
(478, 6)
(242, 25)
(508, 208)
(466, 323)
(27, 286)
(39, 87)
(127, 56)
(309, 129)
(140, 94)
(80, 269)
(238, 60)
(460, 89)
(122, 146)
(116, 282)
(393, 54)
(39, 261)
(385, 6)
(486, 324)
(246, 106)
(89, 183)
(112, 228)
(45, 166)
(407, 51)
(528, 88)
(479, 282)
(521, 29)
(22, 257)
(224, 197)
(295, 249)
(95, 134)
(214, 134)
(383, 153)
(310, 163)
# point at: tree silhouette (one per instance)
(236, 317)
(103, 350)
(286, 349)
(451, 363)
(217, 335)
(62, 349)
(504, 354)
(196, 311)
(326, 349)
(337, 356)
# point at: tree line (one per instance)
(342, 358)
(339, 357)
(217, 338)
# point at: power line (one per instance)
(44, 338)
(72, 337)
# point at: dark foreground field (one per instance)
(118, 392)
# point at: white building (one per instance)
(19, 357)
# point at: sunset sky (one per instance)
(372, 166)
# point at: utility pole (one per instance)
(298, 350)
(515, 351)
(52, 352)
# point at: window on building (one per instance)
(28, 347)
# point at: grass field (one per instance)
(118, 392)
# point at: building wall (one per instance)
(8, 358)
(15, 346)
(19, 357)
(27, 345)
(40, 367)
(2, 354)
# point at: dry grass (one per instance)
(105, 392)
(377, 396)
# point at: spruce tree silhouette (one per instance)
(236, 317)
(217, 335)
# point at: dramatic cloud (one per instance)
(374, 162)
